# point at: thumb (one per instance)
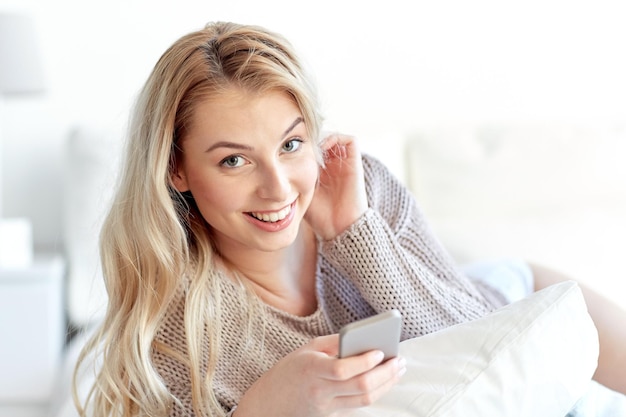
(326, 344)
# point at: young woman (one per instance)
(241, 240)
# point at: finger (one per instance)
(326, 344)
(338, 151)
(335, 150)
(347, 368)
(366, 388)
(386, 373)
(336, 140)
(330, 139)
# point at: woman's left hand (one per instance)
(340, 197)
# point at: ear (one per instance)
(179, 180)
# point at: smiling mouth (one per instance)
(272, 217)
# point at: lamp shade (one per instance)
(21, 68)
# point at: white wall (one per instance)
(384, 68)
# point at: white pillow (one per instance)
(532, 358)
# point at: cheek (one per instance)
(212, 197)
(308, 175)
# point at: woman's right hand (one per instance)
(313, 382)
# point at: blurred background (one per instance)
(506, 118)
(383, 69)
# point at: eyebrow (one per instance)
(293, 125)
(239, 146)
(229, 145)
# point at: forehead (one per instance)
(238, 101)
(235, 109)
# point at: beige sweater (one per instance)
(387, 259)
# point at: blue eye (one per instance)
(292, 145)
(232, 161)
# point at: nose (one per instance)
(274, 182)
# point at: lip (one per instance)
(272, 226)
(272, 216)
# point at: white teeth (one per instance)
(273, 217)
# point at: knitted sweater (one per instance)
(387, 259)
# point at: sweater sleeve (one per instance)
(395, 261)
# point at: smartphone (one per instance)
(379, 332)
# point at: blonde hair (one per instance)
(154, 241)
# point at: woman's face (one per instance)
(251, 168)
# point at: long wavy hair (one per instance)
(154, 240)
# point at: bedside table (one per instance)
(32, 329)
